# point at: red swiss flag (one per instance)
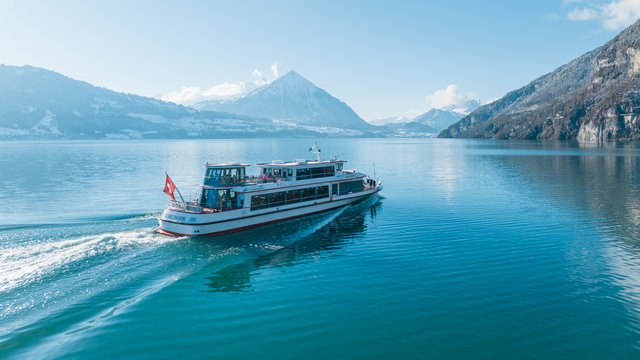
(169, 187)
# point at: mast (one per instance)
(316, 151)
(181, 198)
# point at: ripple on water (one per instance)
(478, 249)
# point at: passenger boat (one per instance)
(230, 201)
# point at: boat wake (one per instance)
(57, 289)
(269, 238)
(24, 265)
(82, 221)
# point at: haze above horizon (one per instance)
(384, 59)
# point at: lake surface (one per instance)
(474, 249)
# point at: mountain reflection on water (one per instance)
(599, 180)
(600, 184)
(347, 225)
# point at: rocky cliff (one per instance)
(592, 98)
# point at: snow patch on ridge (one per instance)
(47, 124)
(157, 119)
(13, 132)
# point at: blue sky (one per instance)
(383, 58)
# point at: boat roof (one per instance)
(278, 163)
(298, 163)
(225, 165)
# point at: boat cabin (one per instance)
(221, 182)
(299, 169)
(224, 174)
(217, 192)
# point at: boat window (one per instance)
(351, 187)
(226, 200)
(294, 196)
(276, 199)
(282, 198)
(224, 176)
(208, 198)
(315, 172)
(219, 199)
(308, 194)
(322, 192)
(203, 198)
(213, 173)
(258, 202)
(302, 174)
(339, 166)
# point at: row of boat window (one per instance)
(316, 172)
(285, 173)
(351, 187)
(281, 198)
(228, 172)
(301, 174)
(224, 176)
(224, 199)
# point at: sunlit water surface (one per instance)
(475, 249)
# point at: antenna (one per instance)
(316, 151)
(374, 170)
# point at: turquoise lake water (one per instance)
(474, 249)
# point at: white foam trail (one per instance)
(305, 227)
(22, 265)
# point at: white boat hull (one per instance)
(179, 223)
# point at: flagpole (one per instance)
(178, 190)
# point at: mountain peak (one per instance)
(464, 107)
(292, 74)
(292, 79)
(292, 98)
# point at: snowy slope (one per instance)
(38, 103)
(293, 99)
(594, 97)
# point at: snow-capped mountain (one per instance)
(391, 120)
(292, 99)
(432, 121)
(38, 103)
(409, 129)
(439, 119)
(464, 107)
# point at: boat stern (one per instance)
(178, 223)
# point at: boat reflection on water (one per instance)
(348, 225)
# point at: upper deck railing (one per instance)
(189, 206)
(253, 180)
